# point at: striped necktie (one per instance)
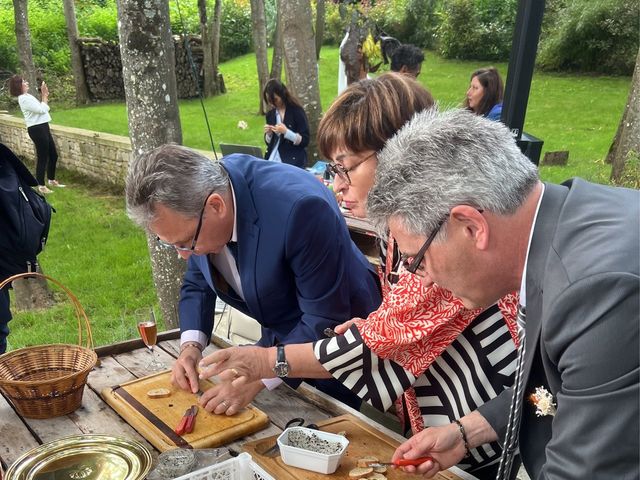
(511, 436)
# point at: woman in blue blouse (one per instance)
(484, 96)
(286, 132)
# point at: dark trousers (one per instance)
(5, 316)
(45, 150)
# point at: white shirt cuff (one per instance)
(194, 336)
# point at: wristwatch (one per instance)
(281, 368)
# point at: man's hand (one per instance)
(184, 373)
(227, 399)
(443, 444)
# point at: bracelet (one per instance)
(463, 433)
(186, 345)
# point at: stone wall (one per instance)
(100, 156)
(97, 155)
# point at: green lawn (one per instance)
(569, 112)
(102, 257)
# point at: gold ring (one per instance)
(235, 372)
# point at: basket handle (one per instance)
(81, 316)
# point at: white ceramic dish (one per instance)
(307, 459)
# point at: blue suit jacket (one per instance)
(299, 269)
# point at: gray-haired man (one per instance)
(571, 249)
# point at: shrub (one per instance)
(593, 36)
(422, 15)
(235, 29)
(476, 29)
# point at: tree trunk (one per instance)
(259, 29)
(626, 143)
(276, 59)
(33, 293)
(210, 80)
(148, 70)
(23, 41)
(82, 93)
(300, 63)
(215, 45)
(351, 53)
(319, 26)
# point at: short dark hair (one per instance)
(406, 55)
(15, 85)
(493, 87)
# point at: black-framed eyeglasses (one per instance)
(415, 262)
(195, 236)
(339, 170)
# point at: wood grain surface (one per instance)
(156, 418)
(364, 440)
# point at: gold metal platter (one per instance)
(83, 457)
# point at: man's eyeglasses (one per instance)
(339, 170)
(413, 264)
(195, 237)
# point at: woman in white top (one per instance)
(37, 118)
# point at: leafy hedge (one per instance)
(476, 29)
(596, 36)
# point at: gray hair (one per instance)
(440, 160)
(179, 178)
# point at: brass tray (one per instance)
(83, 457)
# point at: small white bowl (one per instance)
(316, 462)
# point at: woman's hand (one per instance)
(280, 128)
(343, 327)
(44, 92)
(268, 128)
(240, 365)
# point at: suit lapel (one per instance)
(543, 234)
(248, 232)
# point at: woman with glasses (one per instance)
(421, 350)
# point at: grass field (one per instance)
(102, 257)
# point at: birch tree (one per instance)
(148, 70)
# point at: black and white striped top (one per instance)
(475, 368)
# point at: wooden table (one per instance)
(126, 361)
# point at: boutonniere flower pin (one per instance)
(543, 401)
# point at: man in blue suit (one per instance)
(266, 238)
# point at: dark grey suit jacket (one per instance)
(582, 340)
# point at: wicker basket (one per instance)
(48, 381)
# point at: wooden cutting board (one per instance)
(156, 418)
(364, 440)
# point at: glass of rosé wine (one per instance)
(149, 333)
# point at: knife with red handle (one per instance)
(188, 420)
(402, 462)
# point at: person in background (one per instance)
(286, 132)
(485, 93)
(407, 59)
(421, 340)
(37, 118)
(461, 182)
(267, 238)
